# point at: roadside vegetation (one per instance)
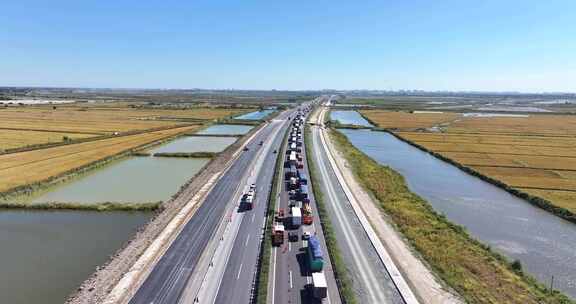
(100, 207)
(187, 154)
(478, 274)
(339, 266)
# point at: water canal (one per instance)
(543, 242)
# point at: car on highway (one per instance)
(305, 235)
(293, 236)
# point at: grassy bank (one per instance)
(338, 125)
(339, 266)
(266, 247)
(478, 274)
(246, 122)
(104, 206)
(187, 155)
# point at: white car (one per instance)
(305, 235)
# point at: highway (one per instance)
(371, 281)
(289, 274)
(237, 281)
(170, 276)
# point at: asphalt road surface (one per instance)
(237, 283)
(289, 267)
(371, 281)
(170, 275)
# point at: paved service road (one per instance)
(170, 275)
(371, 281)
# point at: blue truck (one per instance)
(314, 252)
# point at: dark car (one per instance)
(293, 237)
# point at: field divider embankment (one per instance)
(399, 281)
(186, 154)
(127, 286)
(54, 131)
(212, 135)
(521, 167)
(534, 200)
(80, 206)
(486, 143)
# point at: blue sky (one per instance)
(504, 45)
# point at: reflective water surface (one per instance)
(46, 255)
(189, 144)
(544, 243)
(349, 118)
(255, 115)
(134, 180)
(226, 130)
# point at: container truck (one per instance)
(319, 286)
(314, 252)
(278, 235)
(296, 217)
(307, 214)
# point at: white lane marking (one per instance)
(253, 216)
(360, 258)
(291, 286)
(239, 271)
(274, 275)
(289, 246)
(247, 238)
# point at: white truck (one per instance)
(296, 217)
(319, 286)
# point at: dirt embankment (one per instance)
(102, 281)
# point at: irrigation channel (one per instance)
(46, 255)
(543, 242)
(255, 115)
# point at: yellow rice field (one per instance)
(408, 121)
(10, 139)
(17, 169)
(25, 126)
